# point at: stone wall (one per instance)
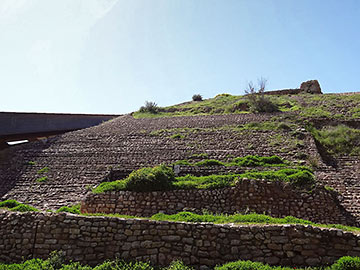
(275, 198)
(92, 240)
(284, 92)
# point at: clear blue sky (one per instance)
(109, 56)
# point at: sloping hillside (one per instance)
(60, 170)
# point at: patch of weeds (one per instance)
(43, 170)
(32, 163)
(204, 182)
(315, 112)
(15, 206)
(255, 161)
(74, 209)
(177, 136)
(330, 189)
(42, 179)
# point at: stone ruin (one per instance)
(312, 87)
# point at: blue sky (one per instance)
(109, 56)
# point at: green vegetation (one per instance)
(338, 140)
(74, 209)
(149, 107)
(177, 136)
(42, 179)
(252, 218)
(307, 105)
(247, 161)
(56, 261)
(145, 179)
(300, 177)
(254, 161)
(43, 170)
(209, 162)
(197, 97)
(163, 178)
(31, 163)
(257, 99)
(15, 206)
(344, 263)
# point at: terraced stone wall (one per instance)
(275, 198)
(92, 240)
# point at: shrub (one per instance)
(149, 107)
(197, 97)
(258, 101)
(150, 179)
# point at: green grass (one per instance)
(344, 263)
(42, 179)
(244, 219)
(74, 209)
(15, 206)
(57, 262)
(301, 177)
(307, 105)
(43, 170)
(338, 140)
(247, 161)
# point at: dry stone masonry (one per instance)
(277, 199)
(92, 240)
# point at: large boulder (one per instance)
(312, 87)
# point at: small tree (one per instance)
(257, 99)
(197, 97)
(150, 107)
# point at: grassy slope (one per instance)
(335, 106)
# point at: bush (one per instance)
(149, 107)
(197, 97)
(258, 101)
(150, 179)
